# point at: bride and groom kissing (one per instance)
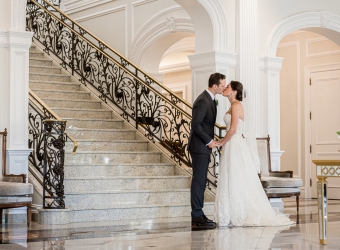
(240, 199)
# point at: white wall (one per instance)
(300, 50)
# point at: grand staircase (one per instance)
(116, 174)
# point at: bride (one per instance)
(240, 198)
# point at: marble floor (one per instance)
(177, 234)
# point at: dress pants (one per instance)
(200, 164)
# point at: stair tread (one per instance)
(44, 66)
(63, 91)
(108, 140)
(124, 164)
(96, 119)
(130, 205)
(135, 205)
(40, 59)
(48, 74)
(55, 82)
(115, 152)
(127, 191)
(75, 100)
(101, 129)
(128, 177)
(80, 109)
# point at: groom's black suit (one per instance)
(202, 132)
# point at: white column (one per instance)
(203, 65)
(14, 78)
(247, 46)
(271, 66)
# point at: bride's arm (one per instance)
(235, 115)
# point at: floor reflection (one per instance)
(174, 234)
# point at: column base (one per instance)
(17, 161)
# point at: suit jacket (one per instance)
(202, 125)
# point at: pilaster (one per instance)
(14, 78)
(247, 46)
(270, 89)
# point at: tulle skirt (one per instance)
(240, 198)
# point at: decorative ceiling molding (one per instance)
(322, 19)
(185, 45)
(101, 13)
(219, 21)
(152, 19)
(185, 66)
(141, 2)
(73, 6)
(146, 37)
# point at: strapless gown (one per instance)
(240, 198)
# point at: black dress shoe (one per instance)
(197, 227)
(202, 223)
(206, 219)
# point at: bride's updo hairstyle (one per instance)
(237, 86)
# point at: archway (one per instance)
(323, 23)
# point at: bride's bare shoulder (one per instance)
(237, 106)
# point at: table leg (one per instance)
(322, 209)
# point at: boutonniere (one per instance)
(216, 102)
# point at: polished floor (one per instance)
(177, 234)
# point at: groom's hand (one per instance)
(212, 144)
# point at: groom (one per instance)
(201, 141)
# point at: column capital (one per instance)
(16, 39)
(213, 58)
(270, 63)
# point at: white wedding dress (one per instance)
(240, 198)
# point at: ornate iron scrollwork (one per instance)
(53, 163)
(143, 101)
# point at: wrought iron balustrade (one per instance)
(150, 106)
(51, 179)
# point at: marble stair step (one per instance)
(108, 134)
(135, 212)
(36, 54)
(40, 62)
(45, 69)
(110, 198)
(77, 104)
(53, 85)
(107, 157)
(108, 145)
(62, 95)
(49, 77)
(126, 183)
(94, 123)
(84, 113)
(123, 169)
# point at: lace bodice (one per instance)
(240, 126)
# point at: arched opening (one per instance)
(309, 84)
(151, 46)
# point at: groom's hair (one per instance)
(215, 79)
